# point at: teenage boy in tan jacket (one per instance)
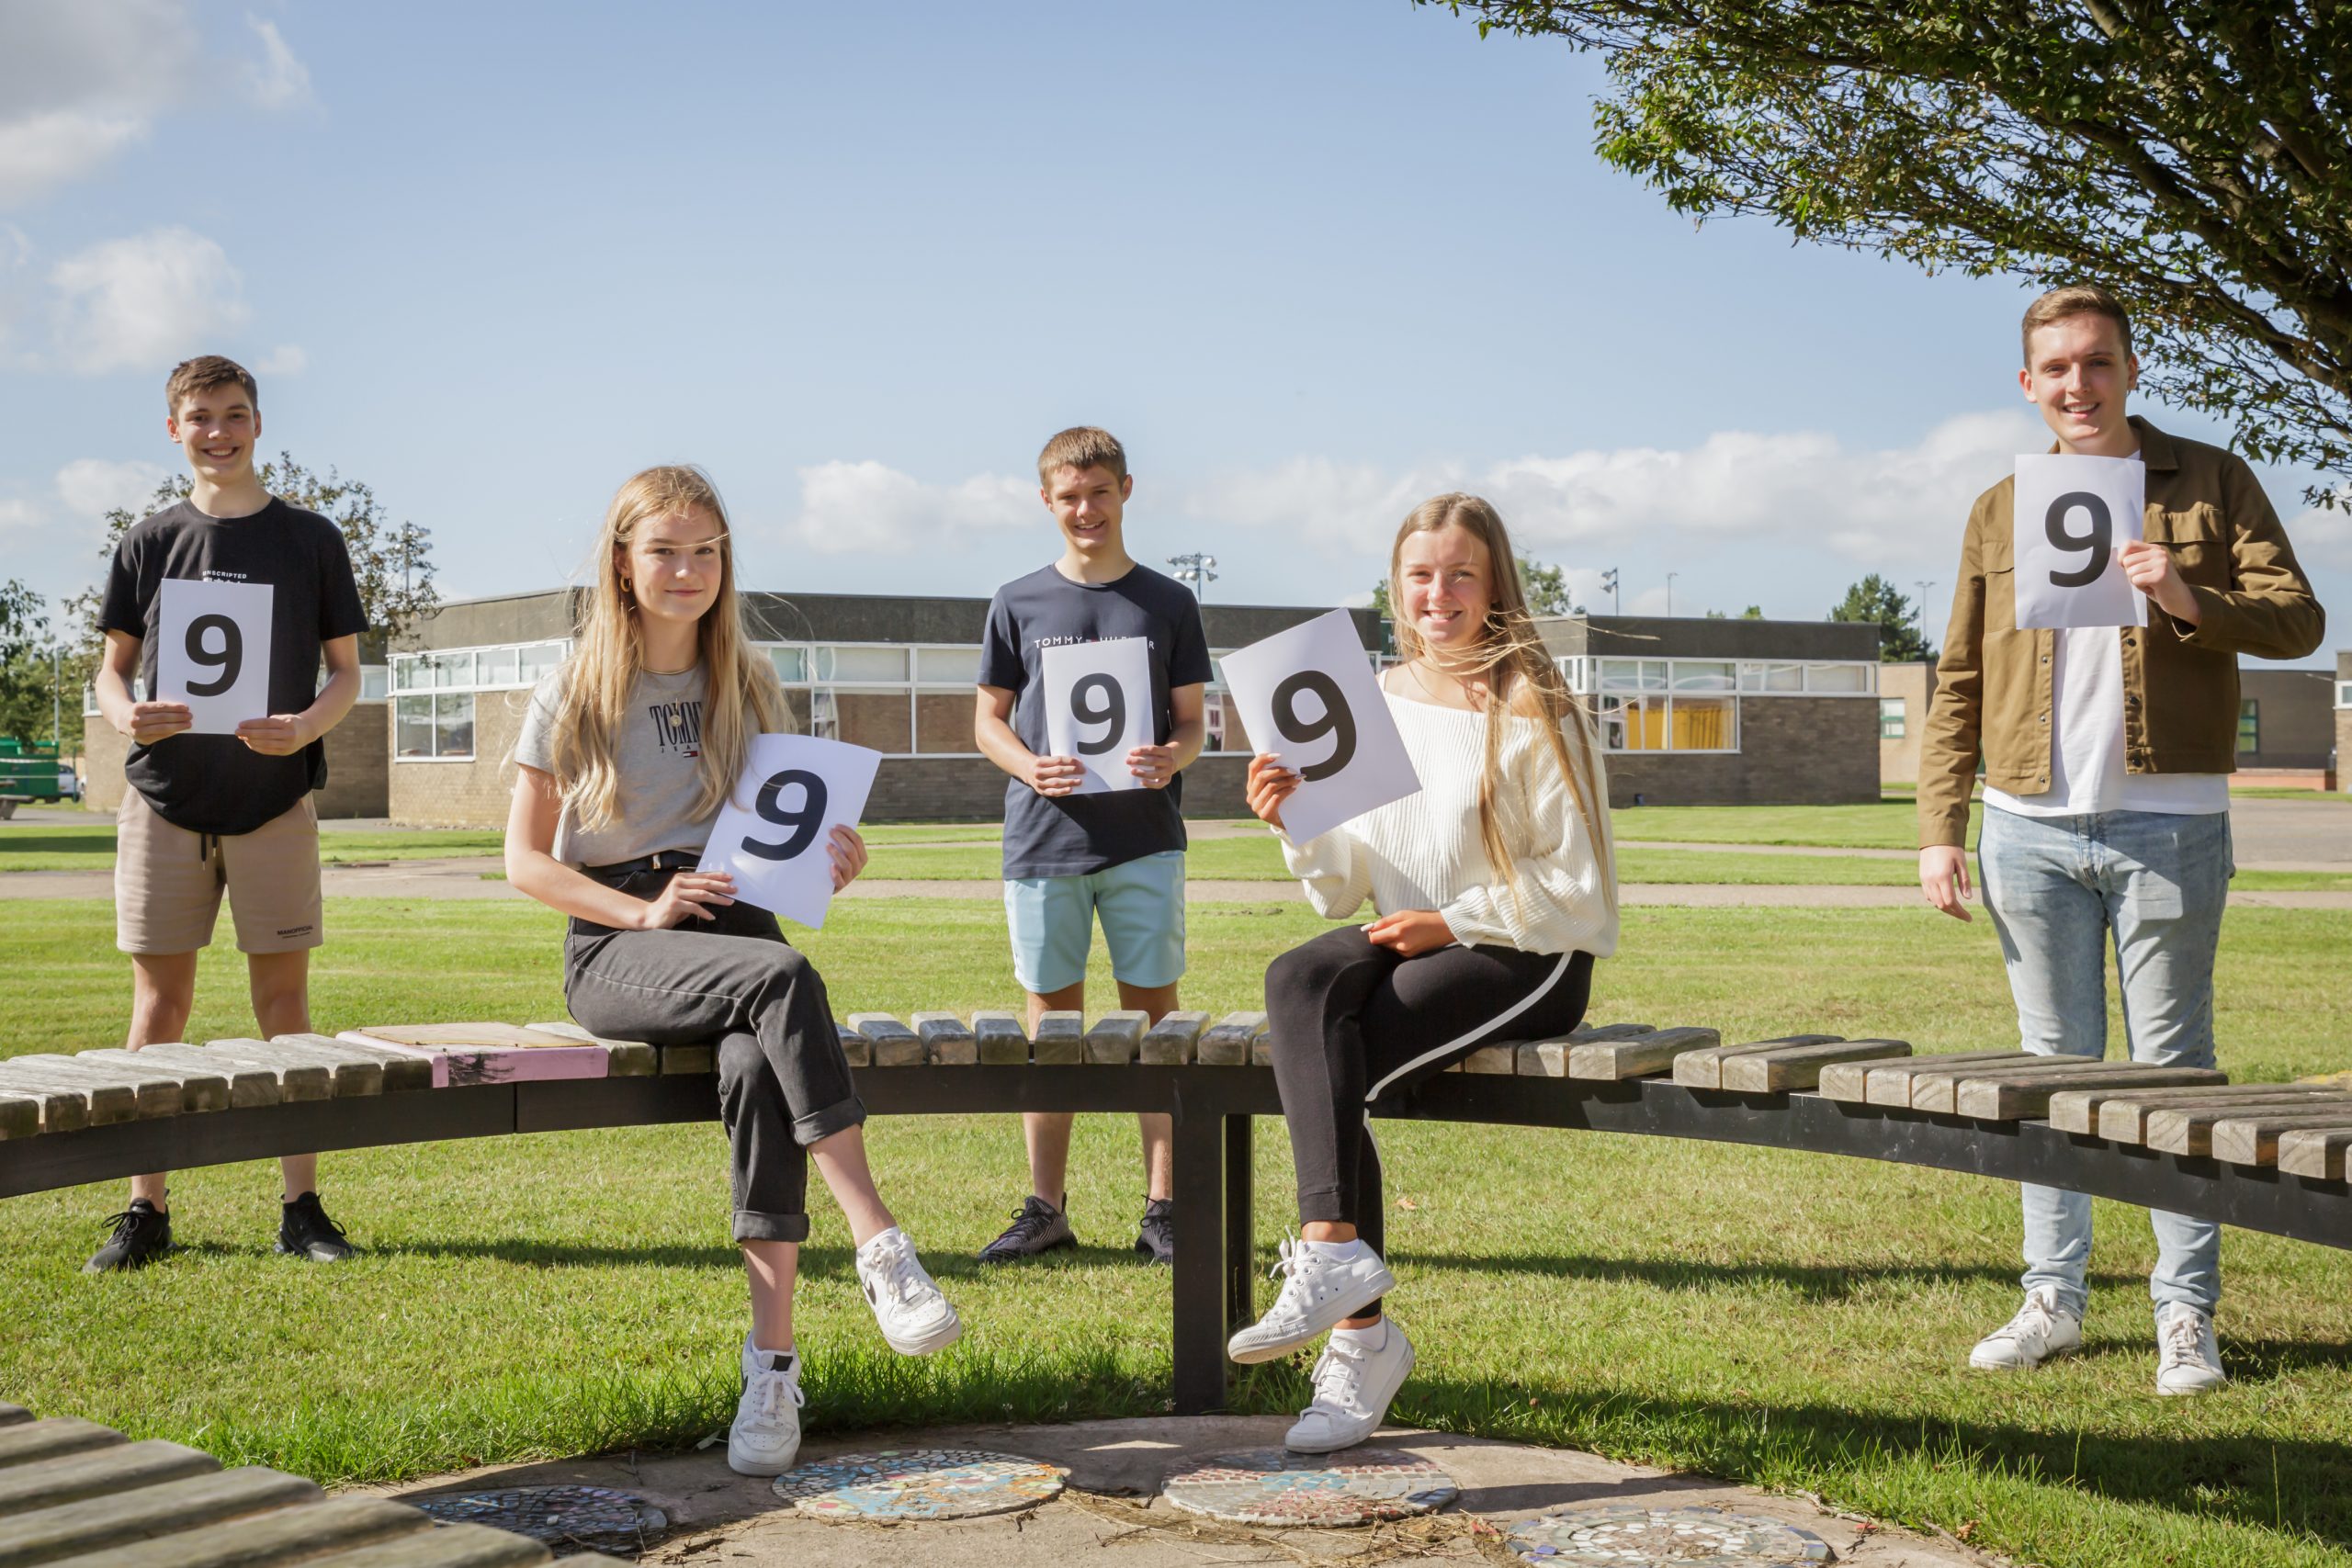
(2107, 753)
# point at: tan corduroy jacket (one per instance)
(2180, 683)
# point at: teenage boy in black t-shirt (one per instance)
(205, 813)
(1071, 859)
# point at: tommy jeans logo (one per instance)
(677, 728)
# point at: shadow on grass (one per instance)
(816, 1262)
(88, 842)
(1812, 1282)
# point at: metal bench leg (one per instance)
(1200, 1285)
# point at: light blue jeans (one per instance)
(2063, 891)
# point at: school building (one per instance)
(1692, 711)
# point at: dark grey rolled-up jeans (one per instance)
(782, 1081)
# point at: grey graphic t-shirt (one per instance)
(659, 751)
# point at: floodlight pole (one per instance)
(1670, 593)
(1923, 584)
(1197, 569)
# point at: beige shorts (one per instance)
(168, 881)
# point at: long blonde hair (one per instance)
(742, 697)
(1512, 657)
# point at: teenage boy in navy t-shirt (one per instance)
(206, 814)
(1071, 857)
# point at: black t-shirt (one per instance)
(216, 783)
(1076, 835)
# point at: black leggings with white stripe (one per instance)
(1351, 1021)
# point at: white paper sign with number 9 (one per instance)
(1309, 696)
(772, 833)
(2073, 514)
(212, 651)
(1098, 707)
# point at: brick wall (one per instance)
(1794, 751)
(358, 757)
(432, 794)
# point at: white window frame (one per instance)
(432, 696)
(1898, 710)
(821, 689)
(2344, 694)
(422, 662)
(1586, 677)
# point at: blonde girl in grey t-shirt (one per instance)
(625, 757)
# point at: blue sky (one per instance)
(1311, 261)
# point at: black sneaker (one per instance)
(1037, 1227)
(306, 1232)
(1156, 1238)
(142, 1234)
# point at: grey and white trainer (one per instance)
(2040, 1329)
(2187, 1360)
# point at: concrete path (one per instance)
(1115, 1469)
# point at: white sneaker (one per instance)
(2188, 1362)
(1318, 1292)
(2039, 1331)
(915, 1319)
(1355, 1381)
(765, 1437)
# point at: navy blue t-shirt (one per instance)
(1076, 835)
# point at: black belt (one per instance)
(666, 860)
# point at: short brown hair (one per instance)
(203, 373)
(2073, 299)
(1082, 447)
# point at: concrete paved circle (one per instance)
(918, 1483)
(570, 1519)
(1276, 1486)
(1687, 1538)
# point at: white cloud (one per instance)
(286, 360)
(870, 506)
(2323, 535)
(91, 487)
(19, 516)
(45, 150)
(278, 80)
(144, 300)
(80, 83)
(1879, 505)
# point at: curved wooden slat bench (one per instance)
(2263, 1157)
(76, 1495)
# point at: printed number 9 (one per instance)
(1336, 721)
(1112, 714)
(2100, 539)
(804, 822)
(228, 661)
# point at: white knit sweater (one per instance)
(1424, 852)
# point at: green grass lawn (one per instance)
(1788, 1320)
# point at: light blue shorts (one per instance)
(1142, 905)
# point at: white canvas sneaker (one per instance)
(2039, 1331)
(1353, 1383)
(1317, 1293)
(914, 1317)
(765, 1437)
(2187, 1361)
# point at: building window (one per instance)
(1890, 719)
(375, 679)
(1664, 723)
(434, 727)
(2249, 725)
(901, 699)
(503, 668)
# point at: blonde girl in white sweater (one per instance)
(1495, 890)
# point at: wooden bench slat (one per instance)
(2319, 1153)
(202, 1086)
(1116, 1038)
(1940, 1092)
(450, 1546)
(2254, 1140)
(152, 1095)
(1889, 1083)
(624, 1058)
(2122, 1117)
(1638, 1056)
(68, 1107)
(2187, 1129)
(1061, 1040)
(1004, 1038)
(28, 1441)
(299, 1079)
(303, 1532)
(396, 1070)
(99, 1472)
(1498, 1059)
(1704, 1068)
(894, 1045)
(248, 1085)
(462, 1054)
(12, 1414)
(97, 1524)
(1231, 1041)
(1801, 1066)
(2011, 1098)
(945, 1039)
(19, 1116)
(1172, 1041)
(350, 1075)
(856, 1050)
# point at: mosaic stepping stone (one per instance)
(918, 1483)
(1633, 1537)
(568, 1518)
(1276, 1486)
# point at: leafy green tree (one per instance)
(2193, 155)
(1874, 599)
(1546, 588)
(26, 688)
(392, 562)
(1753, 613)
